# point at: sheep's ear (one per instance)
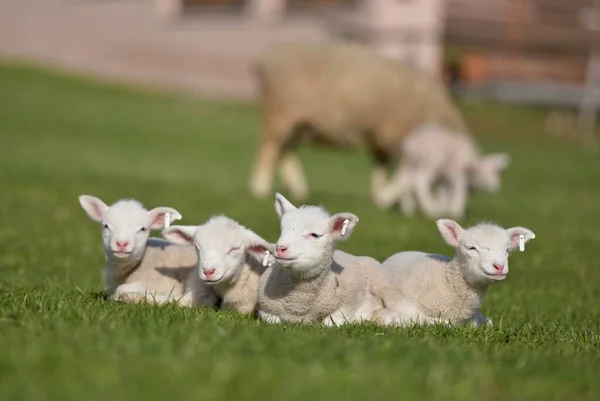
(255, 244)
(180, 234)
(450, 231)
(157, 216)
(337, 224)
(282, 205)
(499, 161)
(515, 232)
(93, 206)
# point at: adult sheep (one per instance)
(342, 95)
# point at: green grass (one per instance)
(60, 340)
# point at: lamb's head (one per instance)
(223, 245)
(126, 225)
(485, 173)
(482, 250)
(308, 236)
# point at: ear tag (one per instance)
(266, 259)
(345, 226)
(521, 243)
(167, 220)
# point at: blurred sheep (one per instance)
(342, 95)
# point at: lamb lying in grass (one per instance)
(230, 258)
(431, 156)
(312, 283)
(137, 267)
(429, 288)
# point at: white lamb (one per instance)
(140, 268)
(429, 288)
(312, 283)
(230, 260)
(434, 156)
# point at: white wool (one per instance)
(429, 288)
(311, 282)
(435, 156)
(138, 267)
(231, 253)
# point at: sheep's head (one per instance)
(482, 250)
(485, 174)
(223, 247)
(308, 234)
(126, 224)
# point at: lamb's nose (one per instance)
(208, 271)
(498, 267)
(281, 249)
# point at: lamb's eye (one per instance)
(314, 235)
(235, 248)
(143, 229)
(106, 226)
(471, 248)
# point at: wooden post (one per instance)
(589, 105)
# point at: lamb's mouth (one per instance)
(497, 276)
(121, 254)
(284, 259)
(214, 281)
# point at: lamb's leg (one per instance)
(427, 202)
(379, 177)
(272, 319)
(405, 314)
(480, 319)
(458, 196)
(264, 170)
(292, 175)
(337, 318)
(406, 191)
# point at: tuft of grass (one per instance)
(61, 339)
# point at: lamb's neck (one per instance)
(117, 270)
(312, 284)
(461, 287)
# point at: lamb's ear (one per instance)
(515, 232)
(450, 231)
(282, 205)
(180, 234)
(499, 161)
(255, 244)
(157, 216)
(94, 207)
(340, 229)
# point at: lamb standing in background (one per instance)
(434, 155)
(429, 288)
(343, 95)
(230, 260)
(312, 283)
(137, 267)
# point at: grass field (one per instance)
(60, 340)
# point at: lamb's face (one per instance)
(486, 173)
(223, 246)
(125, 225)
(305, 240)
(308, 234)
(483, 250)
(125, 230)
(221, 252)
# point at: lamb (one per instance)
(429, 288)
(230, 256)
(310, 281)
(434, 155)
(344, 95)
(139, 268)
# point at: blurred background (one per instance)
(539, 52)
